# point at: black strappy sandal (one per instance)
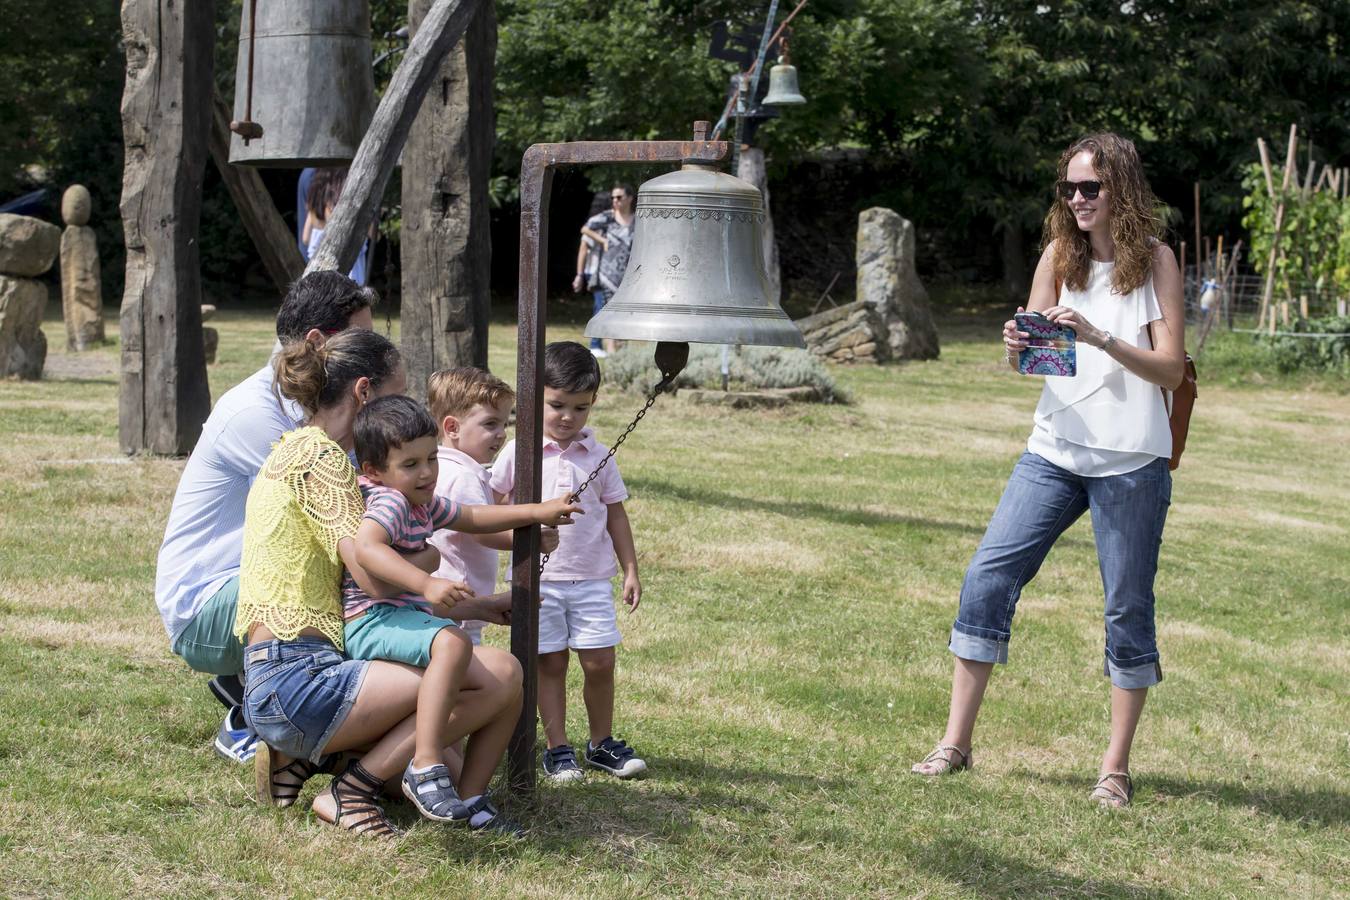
(272, 790)
(359, 788)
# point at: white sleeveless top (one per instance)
(1105, 420)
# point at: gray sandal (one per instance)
(1110, 794)
(943, 761)
(440, 802)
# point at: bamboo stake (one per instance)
(1279, 227)
(1303, 306)
(1265, 166)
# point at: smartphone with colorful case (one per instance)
(1051, 349)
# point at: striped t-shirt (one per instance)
(408, 526)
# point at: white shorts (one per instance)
(577, 614)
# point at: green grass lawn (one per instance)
(787, 665)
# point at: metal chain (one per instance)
(651, 399)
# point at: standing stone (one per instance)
(81, 289)
(751, 167)
(888, 282)
(28, 246)
(23, 346)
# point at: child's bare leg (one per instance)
(497, 677)
(451, 652)
(598, 691)
(553, 696)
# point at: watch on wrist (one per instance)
(1110, 339)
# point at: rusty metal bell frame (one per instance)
(313, 91)
(783, 89)
(696, 272)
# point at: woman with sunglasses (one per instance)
(609, 233)
(1100, 442)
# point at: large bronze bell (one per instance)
(696, 272)
(312, 92)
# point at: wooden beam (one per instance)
(446, 244)
(346, 229)
(166, 118)
(272, 237)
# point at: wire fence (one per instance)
(1239, 300)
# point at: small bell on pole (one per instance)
(696, 272)
(304, 90)
(783, 83)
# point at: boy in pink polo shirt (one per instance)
(577, 598)
(471, 408)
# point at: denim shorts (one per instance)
(297, 693)
(1040, 502)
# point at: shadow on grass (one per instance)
(1325, 808)
(673, 805)
(991, 874)
(791, 508)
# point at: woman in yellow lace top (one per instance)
(305, 699)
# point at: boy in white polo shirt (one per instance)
(577, 598)
(471, 408)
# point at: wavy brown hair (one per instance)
(1135, 228)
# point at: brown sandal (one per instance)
(1109, 793)
(280, 786)
(942, 761)
(354, 794)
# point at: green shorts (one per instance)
(397, 633)
(208, 643)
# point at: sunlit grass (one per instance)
(788, 663)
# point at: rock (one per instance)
(27, 245)
(736, 399)
(81, 288)
(210, 343)
(889, 283)
(836, 333)
(76, 205)
(23, 346)
(208, 310)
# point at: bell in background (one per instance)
(696, 272)
(783, 84)
(313, 91)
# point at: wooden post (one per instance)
(446, 245)
(1199, 244)
(346, 229)
(1303, 306)
(166, 120)
(1279, 226)
(272, 237)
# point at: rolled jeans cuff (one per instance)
(978, 649)
(1133, 677)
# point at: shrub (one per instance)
(1314, 354)
(751, 368)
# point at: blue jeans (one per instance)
(298, 693)
(601, 297)
(1040, 502)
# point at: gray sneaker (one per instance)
(560, 764)
(439, 802)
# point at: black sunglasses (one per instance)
(1089, 189)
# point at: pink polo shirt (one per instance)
(464, 482)
(585, 550)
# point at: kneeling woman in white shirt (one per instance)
(1100, 442)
